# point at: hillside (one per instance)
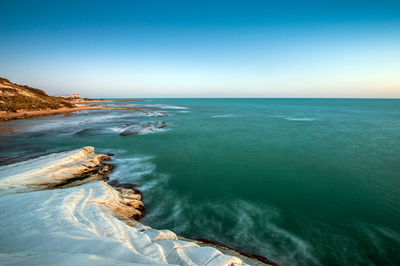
(14, 97)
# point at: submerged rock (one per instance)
(137, 129)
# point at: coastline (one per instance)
(25, 114)
(71, 187)
(125, 202)
(87, 100)
(24, 102)
(29, 114)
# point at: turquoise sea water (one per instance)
(301, 181)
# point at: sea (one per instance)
(300, 181)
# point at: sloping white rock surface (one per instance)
(77, 226)
(49, 170)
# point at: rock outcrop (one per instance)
(58, 170)
(137, 129)
(79, 224)
(72, 220)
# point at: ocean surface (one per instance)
(300, 181)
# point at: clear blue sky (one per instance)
(203, 48)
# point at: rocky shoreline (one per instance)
(27, 114)
(70, 190)
(24, 102)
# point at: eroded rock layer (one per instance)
(55, 170)
(87, 223)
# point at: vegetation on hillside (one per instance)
(14, 97)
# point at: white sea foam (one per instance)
(378, 237)
(294, 118)
(245, 220)
(176, 107)
(165, 106)
(133, 170)
(55, 123)
(224, 116)
(116, 129)
(156, 114)
(140, 129)
(148, 114)
(300, 119)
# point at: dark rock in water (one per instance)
(160, 114)
(163, 124)
(118, 185)
(129, 186)
(137, 129)
(85, 132)
(113, 183)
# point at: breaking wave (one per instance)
(149, 114)
(164, 106)
(134, 169)
(293, 118)
(67, 123)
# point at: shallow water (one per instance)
(301, 181)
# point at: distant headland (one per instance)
(23, 102)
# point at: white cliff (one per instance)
(85, 224)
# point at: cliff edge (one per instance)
(74, 217)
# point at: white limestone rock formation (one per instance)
(53, 170)
(86, 224)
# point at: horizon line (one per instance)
(247, 97)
